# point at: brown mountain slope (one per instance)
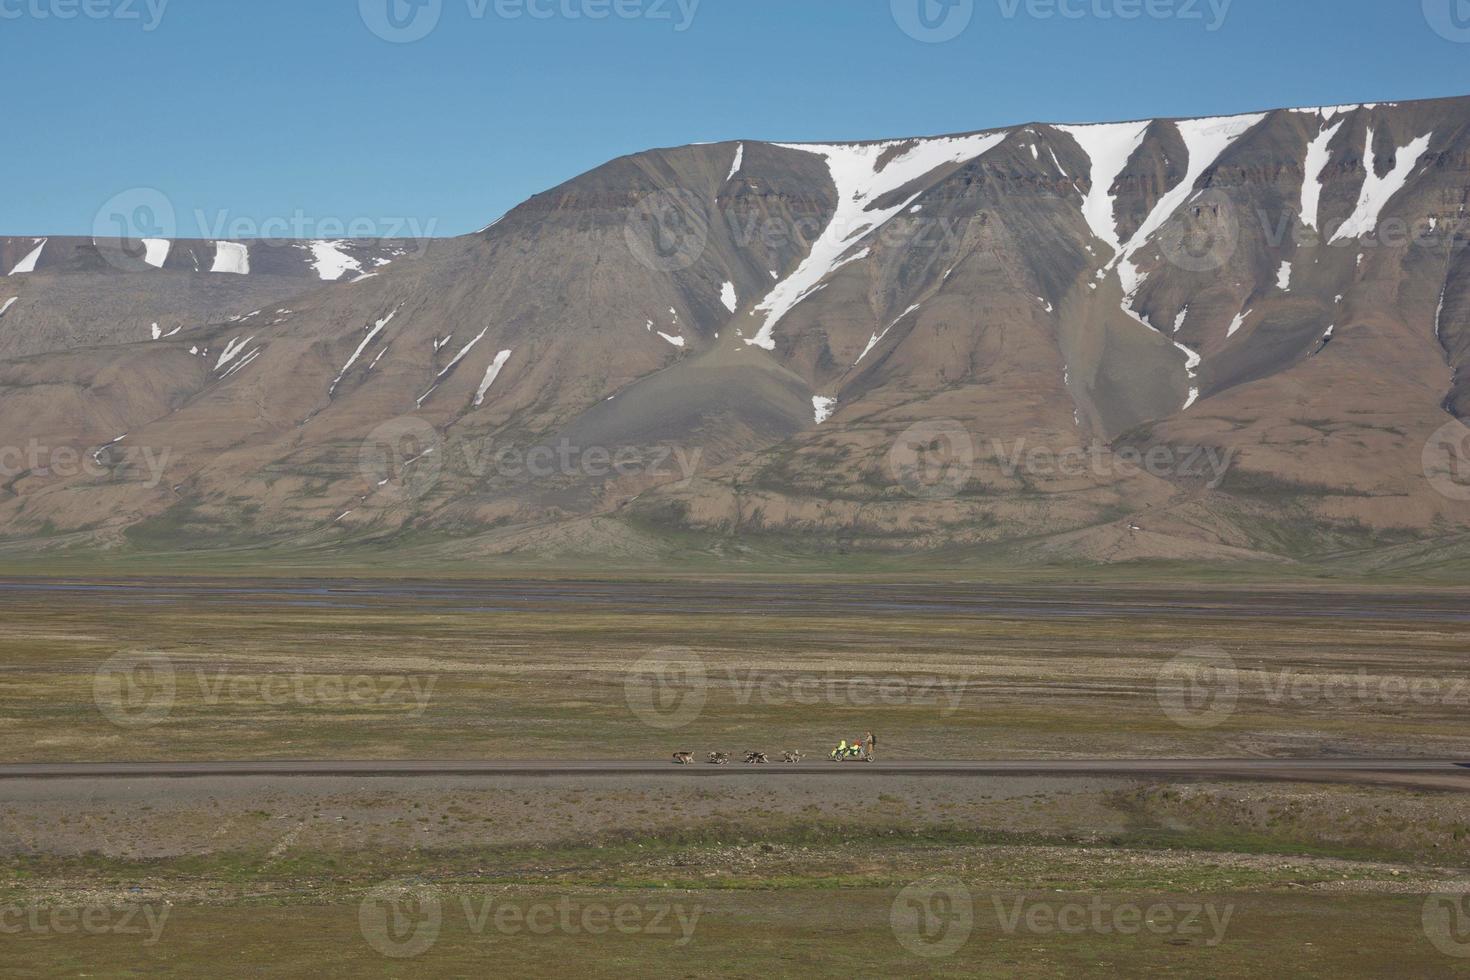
(1208, 339)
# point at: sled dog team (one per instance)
(860, 750)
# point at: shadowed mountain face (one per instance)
(1211, 339)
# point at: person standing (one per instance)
(872, 745)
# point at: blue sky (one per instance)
(297, 111)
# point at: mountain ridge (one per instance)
(1049, 307)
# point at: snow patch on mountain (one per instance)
(155, 251)
(823, 407)
(1238, 322)
(372, 333)
(729, 297)
(28, 264)
(1109, 146)
(1283, 277)
(244, 362)
(463, 351)
(330, 262)
(5, 307)
(1318, 156)
(232, 349)
(491, 373)
(231, 257)
(859, 182)
(739, 162)
(1378, 191)
(1205, 139)
(1192, 361)
(877, 338)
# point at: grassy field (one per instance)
(999, 889)
(162, 675)
(838, 875)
